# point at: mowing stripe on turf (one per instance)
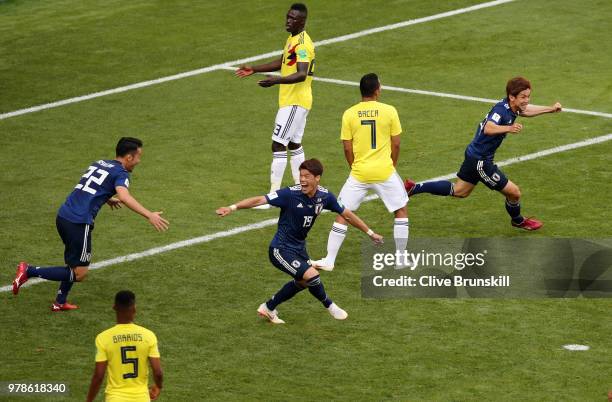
(215, 67)
(438, 94)
(271, 222)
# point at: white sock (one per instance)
(401, 228)
(279, 163)
(297, 157)
(334, 241)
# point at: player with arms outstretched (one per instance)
(300, 205)
(75, 219)
(125, 351)
(478, 165)
(296, 66)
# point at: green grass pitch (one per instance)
(207, 141)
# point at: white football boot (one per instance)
(337, 312)
(270, 315)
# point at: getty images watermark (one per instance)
(493, 268)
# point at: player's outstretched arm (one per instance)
(158, 377)
(96, 380)
(246, 70)
(534, 110)
(299, 76)
(154, 218)
(355, 221)
(495, 129)
(246, 203)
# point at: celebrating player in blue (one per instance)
(75, 219)
(300, 205)
(478, 164)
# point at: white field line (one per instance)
(271, 222)
(431, 93)
(215, 67)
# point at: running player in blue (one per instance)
(75, 219)
(478, 164)
(300, 205)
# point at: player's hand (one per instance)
(223, 211)
(268, 82)
(376, 238)
(557, 107)
(244, 71)
(114, 203)
(159, 223)
(515, 128)
(154, 392)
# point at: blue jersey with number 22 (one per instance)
(96, 186)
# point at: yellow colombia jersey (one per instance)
(370, 125)
(298, 49)
(127, 348)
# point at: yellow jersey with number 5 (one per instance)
(126, 348)
(298, 49)
(370, 126)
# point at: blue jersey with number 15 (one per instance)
(96, 186)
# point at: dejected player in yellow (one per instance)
(294, 96)
(125, 351)
(371, 139)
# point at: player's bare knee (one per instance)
(310, 273)
(339, 219)
(461, 193)
(278, 147)
(401, 213)
(80, 274)
(294, 145)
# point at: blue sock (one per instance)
(442, 187)
(51, 273)
(285, 293)
(315, 287)
(514, 210)
(63, 291)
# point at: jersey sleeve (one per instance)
(100, 350)
(499, 115)
(396, 126)
(333, 204)
(279, 198)
(346, 133)
(304, 53)
(122, 180)
(153, 349)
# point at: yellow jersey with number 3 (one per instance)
(370, 125)
(126, 348)
(298, 49)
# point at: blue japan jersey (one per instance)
(96, 186)
(298, 214)
(484, 146)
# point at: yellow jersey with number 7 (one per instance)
(370, 126)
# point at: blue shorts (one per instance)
(290, 261)
(77, 242)
(474, 170)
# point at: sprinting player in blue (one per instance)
(478, 164)
(300, 205)
(75, 219)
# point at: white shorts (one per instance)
(391, 192)
(289, 124)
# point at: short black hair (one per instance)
(369, 84)
(127, 145)
(314, 166)
(299, 7)
(125, 299)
